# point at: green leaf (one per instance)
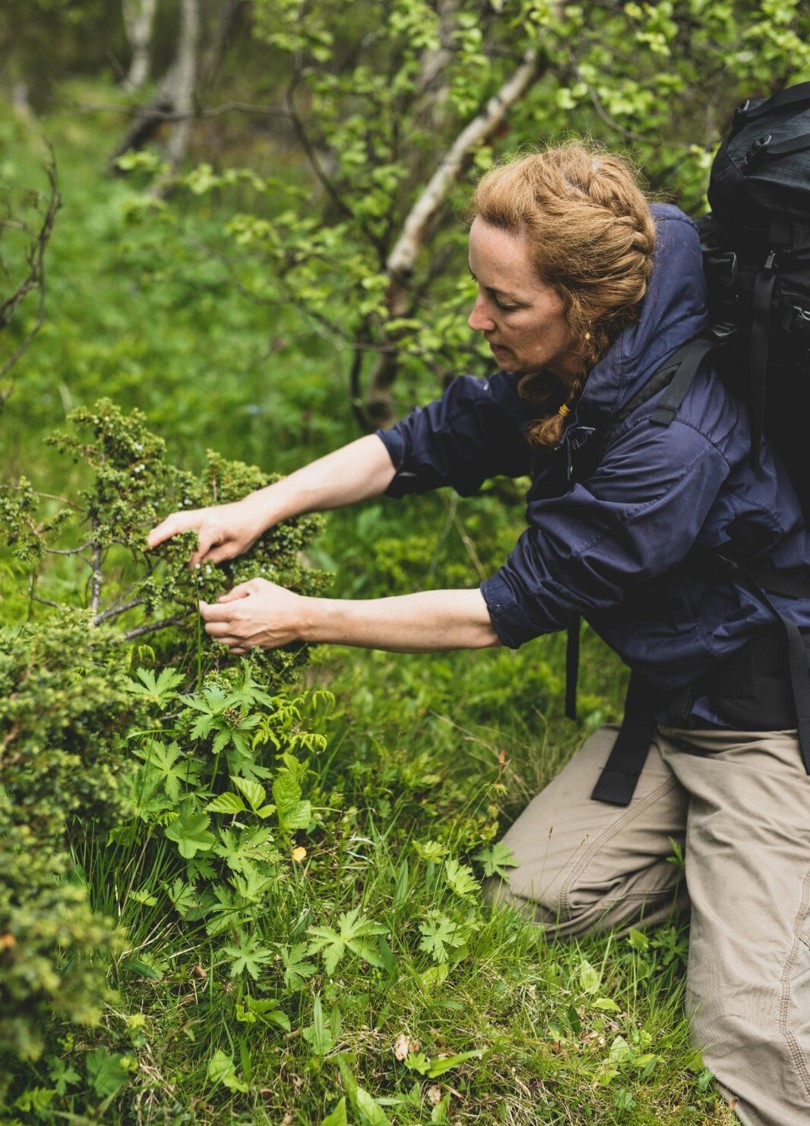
(372, 1114)
(264, 1009)
(105, 1072)
(606, 1005)
(293, 813)
(296, 968)
(318, 1034)
(253, 791)
(352, 935)
(447, 1063)
(461, 880)
(496, 860)
(221, 1070)
(157, 689)
(337, 1117)
(62, 1074)
(589, 978)
(248, 957)
(226, 803)
(328, 943)
(190, 832)
(431, 851)
(440, 935)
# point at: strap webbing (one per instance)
(758, 351)
(688, 359)
(797, 659)
(620, 774)
(572, 669)
(793, 95)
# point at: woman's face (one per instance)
(520, 316)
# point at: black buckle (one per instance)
(722, 265)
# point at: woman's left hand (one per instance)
(255, 615)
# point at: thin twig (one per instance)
(116, 611)
(152, 627)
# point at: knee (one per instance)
(560, 914)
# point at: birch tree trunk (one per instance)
(184, 81)
(424, 215)
(139, 18)
(173, 101)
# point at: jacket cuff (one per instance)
(401, 484)
(509, 621)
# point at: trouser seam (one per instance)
(634, 810)
(795, 1051)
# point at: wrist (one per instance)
(310, 614)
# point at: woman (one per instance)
(584, 291)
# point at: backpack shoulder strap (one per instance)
(676, 374)
(793, 95)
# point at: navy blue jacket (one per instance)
(609, 543)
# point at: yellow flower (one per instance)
(298, 854)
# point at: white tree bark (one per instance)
(426, 209)
(184, 81)
(139, 18)
(424, 214)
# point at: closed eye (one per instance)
(503, 305)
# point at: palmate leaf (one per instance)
(296, 967)
(441, 936)
(496, 860)
(461, 879)
(184, 896)
(176, 771)
(352, 934)
(251, 884)
(241, 848)
(190, 833)
(156, 689)
(248, 957)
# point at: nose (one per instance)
(480, 319)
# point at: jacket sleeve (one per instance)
(469, 435)
(633, 520)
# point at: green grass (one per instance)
(364, 981)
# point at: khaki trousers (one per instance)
(739, 805)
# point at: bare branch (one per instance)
(35, 278)
(152, 627)
(424, 212)
(116, 611)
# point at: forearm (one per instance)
(355, 472)
(262, 615)
(423, 622)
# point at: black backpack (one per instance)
(756, 257)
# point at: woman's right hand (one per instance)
(223, 530)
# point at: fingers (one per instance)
(210, 536)
(250, 616)
(242, 590)
(173, 525)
